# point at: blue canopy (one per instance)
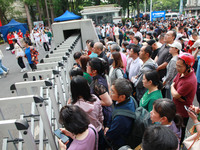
(13, 26)
(67, 16)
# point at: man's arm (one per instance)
(175, 94)
(162, 66)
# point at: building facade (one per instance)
(102, 14)
(192, 8)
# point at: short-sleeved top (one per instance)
(148, 99)
(99, 85)
(163, 56)
(186, 86)
(20, 34)
(134, 68)
(28, 55)
(154, 53)
(9, 38)
(86, 144)
(92, 55)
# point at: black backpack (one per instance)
(141, 121)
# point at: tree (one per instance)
(47, 11)
(39, 10)
(5, 6)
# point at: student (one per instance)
(77, 127)
(120, 126)
(164, 113)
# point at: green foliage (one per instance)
(166, 5)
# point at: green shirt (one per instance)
(87, 77)
(148, 99)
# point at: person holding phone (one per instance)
(77, 126)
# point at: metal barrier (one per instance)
(51, 82)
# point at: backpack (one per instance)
(124, 74)
(141, 121)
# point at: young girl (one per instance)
(164, 113)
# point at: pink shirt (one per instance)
(124, 60)
(88, 143)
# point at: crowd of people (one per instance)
(22, 45)
(153, 65)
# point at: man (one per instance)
(161, 40)
(184, 86)
(159, 138)
(155, 48)
(164, 56)
(137, 33)
(116, 48)
(120, 126)
(98, 49)
(135, 63)
(148, 65)
(180, 32)
(10, 37)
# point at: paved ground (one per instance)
(12, 112)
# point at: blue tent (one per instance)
(67, 16)
(13, 26)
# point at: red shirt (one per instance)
(20, 34)
(186, 86)
(9, 38)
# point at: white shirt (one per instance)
(135, 67)
(140, 35)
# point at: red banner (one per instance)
(0, 23)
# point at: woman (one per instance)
(116, 71)
(97, 68)
(152, 83)
(164, 113)
(77, 127)
(83, 63)
(90, 103)
(45, 41)
(31, 54)
(19, 55)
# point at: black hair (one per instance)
(136, 49)
(154, 77)
(123, 87)
(28, 42)
(77, 55)
(166, 107)
(74, 119)
(131, 33)
(100, 65)
(148, 49)
(75, 71)
(102, 41)
(159, 138)
(92, 44)
(137, 38)
(80, 87)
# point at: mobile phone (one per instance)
(61, 136)
(187, 108)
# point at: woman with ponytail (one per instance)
(19, 55)
(164, 113)
(152, 83)
(97, 68)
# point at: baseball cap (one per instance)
(151, 42)
(176, 45)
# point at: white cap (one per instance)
(176, 45)
(196, 44)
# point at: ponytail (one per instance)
(178, 121)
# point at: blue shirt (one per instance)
(28, 55)
(198, 70)
(92, 55)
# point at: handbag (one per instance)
(192, 142)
